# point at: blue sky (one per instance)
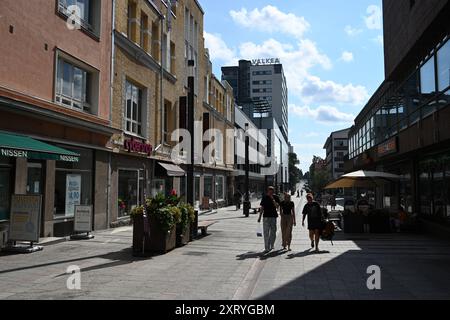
(332, 53)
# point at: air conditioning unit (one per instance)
(3, 238)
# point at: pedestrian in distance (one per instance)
(237, 199)
(313, 211)
(287, 220)
(269, 211)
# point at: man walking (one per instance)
(313, 211)
(269, 210)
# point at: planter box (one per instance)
(354, 223)
(379, 224)
(183, 238)
(141, 242)
(161, 242)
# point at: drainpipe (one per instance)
(161, 106)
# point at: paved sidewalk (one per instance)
(227, 264)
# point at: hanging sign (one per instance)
(73, 193)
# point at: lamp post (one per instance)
(247, 204)
(190, 127)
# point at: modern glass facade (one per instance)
(426, 90)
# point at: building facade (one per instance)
(404, 127)
(260, 80)
(55, 100)
(336, 147)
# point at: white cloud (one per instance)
(350, 31)
(379, 40)
(271, 19)
(322, 114)
(347, 56)
(219, 50)
(316, 90)
(374, 18)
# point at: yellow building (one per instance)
(153, 41)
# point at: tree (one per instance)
(295, 173)
(318, 175)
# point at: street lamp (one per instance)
(247, 204)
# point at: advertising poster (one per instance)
(25, 217)
(73, 193)
(83, 219)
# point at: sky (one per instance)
(331, 51)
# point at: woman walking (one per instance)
(313, 211)
(287, 221)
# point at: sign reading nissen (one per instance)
(14, 153)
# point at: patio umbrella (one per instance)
(362, 179)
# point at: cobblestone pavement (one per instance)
(227, 265)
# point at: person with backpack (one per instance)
(313, 212)
(287, 220)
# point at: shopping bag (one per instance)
(259, 232)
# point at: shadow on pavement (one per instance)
(122, 257)
(411, 268)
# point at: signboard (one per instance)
(387, 148)
(83, 219)
(266, 61)
(25, 218)
(16, 153)
(73, 193)
(135, 146)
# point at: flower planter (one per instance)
(353, 223)
(141, 242)
(183, 237)
(379, 224)
(160, 241)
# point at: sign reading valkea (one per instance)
(25, 217)
(266, 61)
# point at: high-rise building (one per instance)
(337, 149)
(261, 80)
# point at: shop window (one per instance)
(73, 183)
(208, 187)
(443, 65)
(220, 184)
(76, 86)
(5, 191)
(130, 187)
(133, 109)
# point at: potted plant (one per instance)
(141, 238)
(379, 221)
(353, 222)
(184, 227)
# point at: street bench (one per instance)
(204, 225)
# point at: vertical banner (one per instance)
(73, 193)
(25, 218)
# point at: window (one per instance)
(144, 32)
(443, 65)
(208, 186)
(133, 109)
(220, 185)
(427, 78)
(87, 12)
(130, 185)
(73, 183)
(132, 26)
(72, 86)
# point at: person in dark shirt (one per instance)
(269, 210)
(287, 220)
(313, 211)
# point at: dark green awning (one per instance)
(15, 146)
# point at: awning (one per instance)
(172, 170)
(16, 146)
